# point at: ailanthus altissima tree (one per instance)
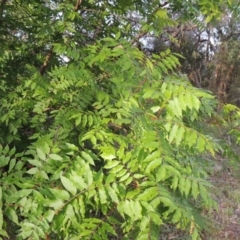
(97, 139)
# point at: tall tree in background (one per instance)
(210, 50)
(99, 140)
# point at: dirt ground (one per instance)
(225, 222)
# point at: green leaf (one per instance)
(116, 169)
(161, 173)
(174, 182)
(70, 212)
(149, 193)
(102, 195)
(49, 215)
(11, 164)
(35, 162)
(58, 193)
(109, 228)
(195, 190)
(177, 215)
(78, 119)
(110, 178)
(117, 36)
(188, 185)
(155, 218)
(12, 151)
(55, 157)
(87, 157)
(112, 193)
(111, 164)
(155, 109)
(173, 133)
(153, 165)
(68, 185)
(33, 170)
(19, 194)
(4, 161)
(11, 214)
(108, 156)
(195, 235)
(152, 156)
(181, 184)
(88, 175)
(179, 135)
(168, 202)
(124, 178)
(78, 181)
(56, 204)
(41, 154)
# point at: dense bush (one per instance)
(97, 139)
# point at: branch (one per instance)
(77, 6)
(45, 64)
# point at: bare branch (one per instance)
(77, 6)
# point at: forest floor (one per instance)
(225, 222)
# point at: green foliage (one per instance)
(106, 142)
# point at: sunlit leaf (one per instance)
(68, 185)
